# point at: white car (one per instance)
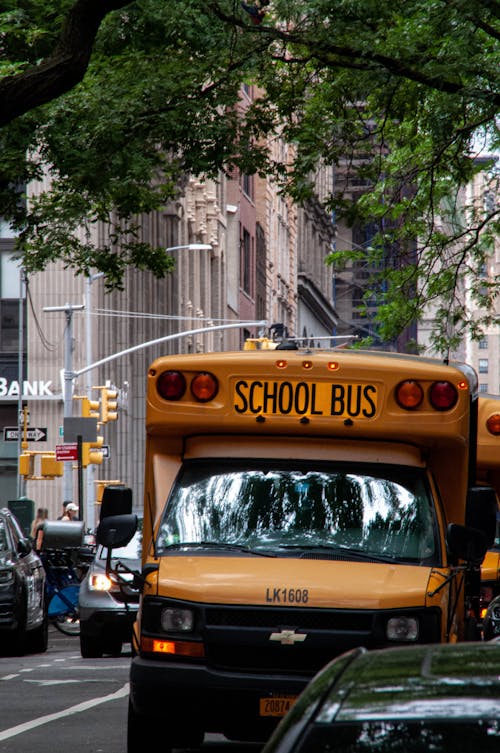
(108, 604)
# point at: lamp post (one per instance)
(191, 247)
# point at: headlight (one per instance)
(177, 620)
(402, 629)
(100, 582)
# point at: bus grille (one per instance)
(239, 639)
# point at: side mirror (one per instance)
(116, 500)
(465, 543)
(115, 531)
(24, 547)
(481, 511)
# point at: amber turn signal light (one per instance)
(204, 387)
(493, 423)
(409, 394)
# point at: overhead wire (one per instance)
(46, 344)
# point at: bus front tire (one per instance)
(139, 724)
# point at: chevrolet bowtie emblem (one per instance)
(288, 637)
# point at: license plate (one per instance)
(294, 398)
(276, 706)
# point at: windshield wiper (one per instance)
(220, 545)
(343, 551)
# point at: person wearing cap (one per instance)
(63, 511)
(70, 512)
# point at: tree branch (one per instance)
(62, 70)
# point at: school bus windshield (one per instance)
(292, 509)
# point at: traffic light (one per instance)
(109, 404)
(50, 467)
(26, 464)
(90, 408)
(92, 452)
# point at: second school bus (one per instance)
(488, 472)
(297, 503)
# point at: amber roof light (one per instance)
(409, 394)
(493, 424)
(204, 386)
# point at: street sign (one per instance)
(67, 451)
(86, 428)
(34, 434)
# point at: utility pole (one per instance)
(21, 416)
(90, 474)
(68, 385)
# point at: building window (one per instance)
(247, 185)
(9, 306)
(483, 365)
(246, 263)
(483, 387)
(9, 325)
(483, 344)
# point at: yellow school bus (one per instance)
(488, 472)
(297, 503)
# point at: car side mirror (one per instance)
(24, 547)
(465, 543)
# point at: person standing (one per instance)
(71, 512)
(63, 511)
(41, 515)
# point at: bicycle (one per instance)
(66, 560)
(62, 586)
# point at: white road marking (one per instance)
(9, 677)
(84, 706)
(44, 683)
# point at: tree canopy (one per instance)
(122, 99)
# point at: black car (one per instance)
(491, 621)
(23, 613)
(443, 698)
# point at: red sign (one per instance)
(67, 451)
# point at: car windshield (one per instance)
(399, 736)
(382, 511)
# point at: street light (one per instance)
(192, 247)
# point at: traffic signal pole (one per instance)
(176, 336)
(70, 375)
(68, 385)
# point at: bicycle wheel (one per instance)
(63, 610)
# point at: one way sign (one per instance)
(33, 434)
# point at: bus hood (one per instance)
(292, 582)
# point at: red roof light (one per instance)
(443, 395)
(171, 385)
